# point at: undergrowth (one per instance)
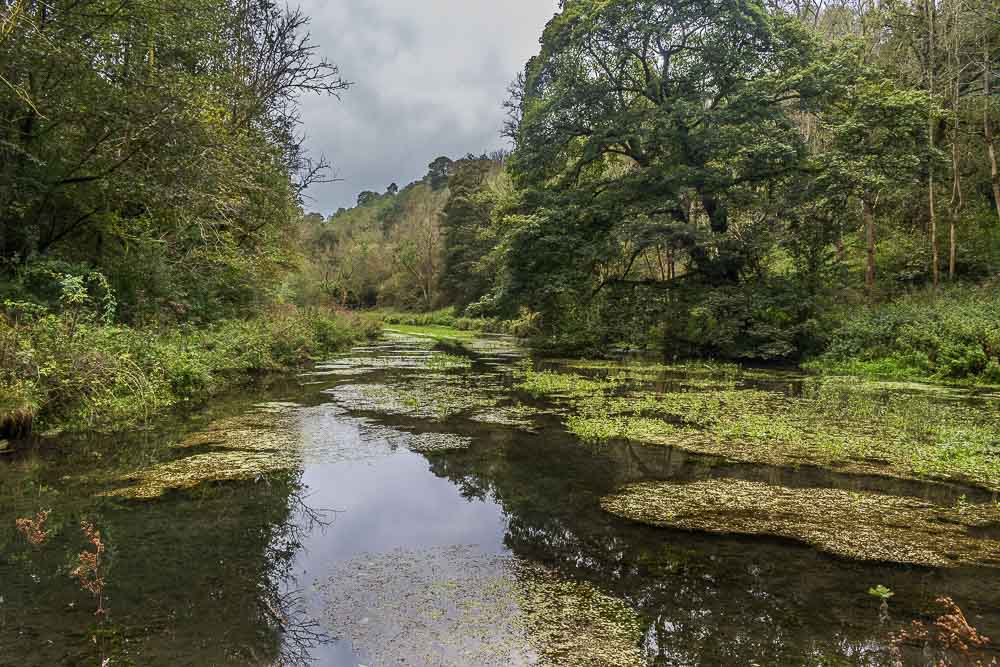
(76, 371)
(953, 336)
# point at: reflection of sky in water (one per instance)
(384, 504)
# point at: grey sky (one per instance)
(430, 77)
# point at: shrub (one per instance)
(81, 373)
(953, 335)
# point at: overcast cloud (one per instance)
(430, 78)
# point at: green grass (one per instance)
(524, 326)
(435, 332)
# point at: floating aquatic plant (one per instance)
(851, 426)
(437, 442)
(432, 398)
(859, 526)
(275, 437)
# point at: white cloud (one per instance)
(430, 79)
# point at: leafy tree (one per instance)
(643, 128)
(877, 145)
(367, 198)
(439, 171)
(466, 222)
(158, 143)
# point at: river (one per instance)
(400, 506)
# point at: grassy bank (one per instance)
(525, 326)
(66, 372)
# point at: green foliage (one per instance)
(468, 237)
(80, 372)
(385, 252)
(881, 592)
(954, 335)
(156, 146)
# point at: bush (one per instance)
(80, 373)
(953, 335)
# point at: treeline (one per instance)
(735, 179)
(424, 246)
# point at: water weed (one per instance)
(846, 424)
(858, 526)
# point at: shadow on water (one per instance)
(244, 572)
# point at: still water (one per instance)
(351, 545)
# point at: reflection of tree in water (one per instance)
(204, 573)
(705, 600)
(281, 602)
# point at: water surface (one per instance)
(357, 550)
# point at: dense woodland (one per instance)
(769, 182)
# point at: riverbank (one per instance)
(60, 372)
(951, 335)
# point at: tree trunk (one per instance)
(935, 254)
(988, 129)
(868, 212)
(956, 171)
(953, 249)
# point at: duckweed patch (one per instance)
(393, 356)
(857, 526)
(192, 471)
(513, 416)
(442, 361)
(454, 606)
(563, 385)
(650, 370)
(437, 442)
